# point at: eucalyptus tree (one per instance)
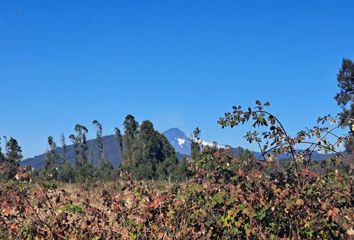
(130, 133)
(80, 145)
(51, 164)
(76, 140)
(195, 145)
(66, 172)
(84, 170)
(345, 99)
(119, 139)
(100, 145)
(64, 156)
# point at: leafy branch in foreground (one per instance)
(273, 140)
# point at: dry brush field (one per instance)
(217, 202)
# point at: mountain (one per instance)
(112, 153)
(182, 143)
(178, 139)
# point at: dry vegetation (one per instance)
(224, 197)
(218, 202)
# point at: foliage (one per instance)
(84, 171)
(2, 155)
(227, 196)
(51, 164)
(216, 203)
(100, 145)
(147, 153)
(13, 152)
(130, 134)
(220, 194)
(10, 161)
(119, 139)
(345, 99)
(166, 169)
(66, 173)
(274, 140)
(195, 146)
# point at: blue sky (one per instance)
(178, 63)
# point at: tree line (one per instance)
(146, 154)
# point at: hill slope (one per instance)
(111, 149)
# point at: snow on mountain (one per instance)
(182, 143)
(208, 144)
(179, 140)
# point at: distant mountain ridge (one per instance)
(178, 139)
(112, 153)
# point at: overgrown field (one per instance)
(221, 200)
(223, 195)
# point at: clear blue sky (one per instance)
(178, 63)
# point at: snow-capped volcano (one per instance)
(179, 140)
(182, 142)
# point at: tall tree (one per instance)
(119, 139)
(51, 164)
(345, 99)
(145, 151)
(105, 166)
(13, 152)
(153, 156)
(130, 133)
(168, 162)
(66, 172)
(82, 130)
(64, 157)
(84, 170)
(145, 156)
(80, 145)
(2, 155)
(4, 166)
(13, 157)
(76, 145)
(99, 140)
(195, 146)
